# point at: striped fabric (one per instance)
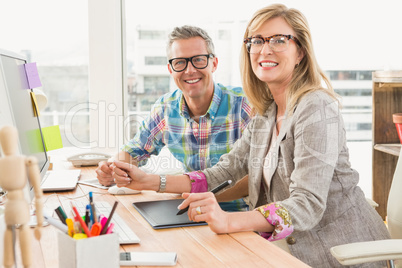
(196, 145)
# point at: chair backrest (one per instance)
(394, 207)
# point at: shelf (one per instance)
(387, 100)
(392, 148)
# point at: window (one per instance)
(156, 61)
(365, 75)
(354, 92)
(151, 35)
(350, 75)
(154, 85)
(224, 34)
(59, 46)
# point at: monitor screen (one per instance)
(17, 108)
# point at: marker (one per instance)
(214, 191)
(63, 214)
(103, 220)
(60, 216)
(110, 229)
(79, 236)
(70, 225)
(96, 229)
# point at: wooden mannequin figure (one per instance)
(13, 178)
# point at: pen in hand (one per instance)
(214, 191)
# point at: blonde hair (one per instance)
(307, 76)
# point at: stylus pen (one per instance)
(214, 191)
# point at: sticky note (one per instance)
(34, 105)
(32, 75)
(52, 138)
(33, 141)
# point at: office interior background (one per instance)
(103, 63)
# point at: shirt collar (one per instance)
(213, 107)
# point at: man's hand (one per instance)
(127, 175)
(104, 173)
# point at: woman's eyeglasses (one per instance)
(277, 43)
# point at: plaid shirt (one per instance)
(196, 145)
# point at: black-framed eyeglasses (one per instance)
(198, 61)
(277, 43)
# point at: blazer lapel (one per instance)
(262, 133)
(275, 148)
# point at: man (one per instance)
(198, 122)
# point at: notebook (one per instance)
(161, 214)
(60, 180)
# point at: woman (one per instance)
(301, 186)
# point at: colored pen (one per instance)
(214, 191)
(87, 217)
(55, 223)
(104, 230)
(93, 211)
(78, 218)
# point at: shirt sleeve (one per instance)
(149, 138)
(198, 181)
(279, 217)
(246, 114)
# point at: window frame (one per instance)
(107, 79)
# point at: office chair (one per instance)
(380, 250)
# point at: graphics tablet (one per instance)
(161, 214)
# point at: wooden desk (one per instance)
(195, 246)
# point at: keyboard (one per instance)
(126, 235)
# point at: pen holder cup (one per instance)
(397, 118)
(2, 230)
(98, 251)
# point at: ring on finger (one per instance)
(198, 210)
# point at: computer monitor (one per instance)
(16, 109)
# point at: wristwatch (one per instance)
(162, 186)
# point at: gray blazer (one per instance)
(310, 176)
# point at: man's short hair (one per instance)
(187, 32)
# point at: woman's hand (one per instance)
(209, 211)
